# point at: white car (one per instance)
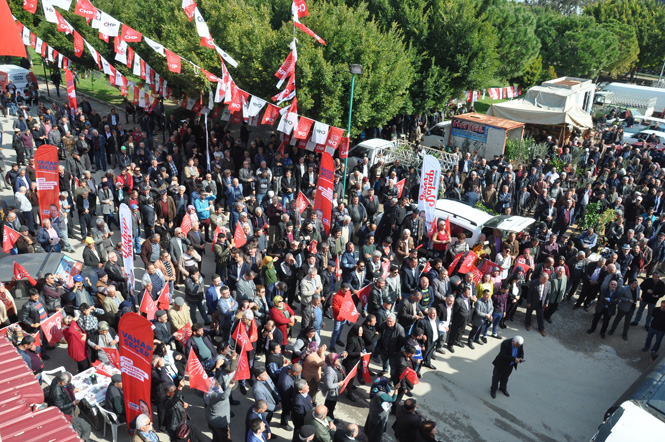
(437, 136)
(473, 222)
(640, 137)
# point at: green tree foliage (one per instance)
(645, 17)
(576, 45)
(532, 72)
(629, 48)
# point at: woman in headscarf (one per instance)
(333, 380)
(312, 360)
(283, 316)
(355, 347)
(269, 272)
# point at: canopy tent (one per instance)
(10, 38)
(544, 105)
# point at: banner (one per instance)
(71, 91)
(430, 178)
(366, 377)
(48, 187)
(126, 235)
(324, 190)
(349, 377)
(148, 305)
(52, 328)
(184, 333)
(135, 348)
(113, 356)
(9, 237)
(197, 375)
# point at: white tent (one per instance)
(544, 105)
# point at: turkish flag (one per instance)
(85, 9)
(30, 6)
(52, 328)
(427, 267)
(366, 377)
(172, 61)
(239, 237)
(363, 294)
(184, 333)
(400, 187)
(198, 378)
(411, 376)
(113, 356)
(148, 306)
(349, 377)
(348, 310)
(20, 273)
(312, 247)
(302, 202)
(130, 35)
(164, 300)
(186, 224)
(270, 115)
(9, 237)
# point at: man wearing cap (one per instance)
(115, 401)
(179, 314)
(24, 243)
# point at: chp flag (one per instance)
(127, 246)
(430, 179)
(302, 202)
(71, 90)
(20, 272)
(135, 347)
(9, 237)
(198, 378)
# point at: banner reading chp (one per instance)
(135, 348)
(324, 190)
(126, 236)
(430, 179)
(48, 187)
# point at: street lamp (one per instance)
(355, 69)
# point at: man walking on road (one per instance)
(510, 356)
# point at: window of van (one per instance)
(456, 229)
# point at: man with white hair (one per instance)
(23, 205)
(510, 356)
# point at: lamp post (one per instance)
(355, 69)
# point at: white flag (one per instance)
(118, 78)
(141, 99)
(62, 4)
(255, 106)
(92, 50)
(60, 57)
(211, 100)
(49, 11)
(49, 51)
(122, 55)
(38, 45)
(109, 25)
(26, 36)
(220, 92)
(320, 133)
(226, 114)
(287, 122)
(226, 57)
(190, 103)
(159, 48)
(137, 66)
(147, 74)
(106, 67)
(201, 26)
(97, 21)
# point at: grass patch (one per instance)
(484, 104)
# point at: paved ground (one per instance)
(560, 393)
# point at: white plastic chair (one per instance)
(111, 419)
(52, 373)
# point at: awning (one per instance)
(20, 393)
(526, 112)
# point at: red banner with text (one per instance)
(324, 190)
(48, 185)
(135, 348)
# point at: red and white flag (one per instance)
(52, 328)
(338, 269)
(301, 132)
(385, 269)
(270, 115)
(20, 273)
(130, 35)
(239, 237)
(411, 375)
(184, 333)
(189, 6)
(348, 310)
(172, 61)
(198, 378)
(349, 377)
(312, 247)
(164, 300)
(366, 376)
(363, 294)
(113, 356)
(9, 237)
(300, 8)
(287, 68)
(289, 91)
(30, 5)
(85, 9)
(296, 14)
(302, 202)
(400, 187)
(148, 306)
(63, 25)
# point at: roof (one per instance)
(489, 120)
(20, 392)
(527, 112)
(12, 68)
(569, 83)
(632, 422)
(461, 210)
(374, 143)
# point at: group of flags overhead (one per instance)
(495, 93)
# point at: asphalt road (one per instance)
(559, 394)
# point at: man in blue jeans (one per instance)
(657, 329)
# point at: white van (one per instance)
(438, 135)
(19, 76)
(472, 222)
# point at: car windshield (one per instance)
(359, 151)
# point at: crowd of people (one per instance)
(290, 274)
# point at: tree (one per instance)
(629, 48)
(532, 73)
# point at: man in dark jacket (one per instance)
(286, 388)
(462, 310)
(115, 401)
(85, 205)
(201, 342)
(408, 421)
(510, 355)
(605, 308)
(390, 342)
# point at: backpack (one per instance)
(380, 384)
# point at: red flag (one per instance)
(44, 48)
(344, 147)
(302, 202)
(477, 276)
(189, 6)
(130, 35)
(522, 265)
(239, 237)
(113, 356)
(324, 186)
(334, 138)
(33, 40)
(46, 171)
(242, 371)
(385, 266)
(130, 57)
(469, 262)
(349, 377)
(308, 31)
(148, 306)
(487, 266)
(52, 327)
(20, 273)
(312, 247)
(366, 377)
(410, 375)
(270, 115)
(85, 9)
(400, 187)
(71, 95)
(9, 237)
(208, 42)
(363, 294)
(30, 6)
(448, 228)
(104, 37)
(286, 69)
(198, 377)
(142, 68)
(240, 336)
(164, 300)
(338, 269)
(186, 224)
(427, 267)
(63, 26)
(302, 130)
(100, 369)
(454, 263)
(136, 339)
(218, 230)
(184, 333)
(301, 8)
(348, 310)
(172, 61)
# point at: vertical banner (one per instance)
(135, 348)
(48, 187)
(71, 91)
(126, 235)
(324, 190)
(430, 178)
